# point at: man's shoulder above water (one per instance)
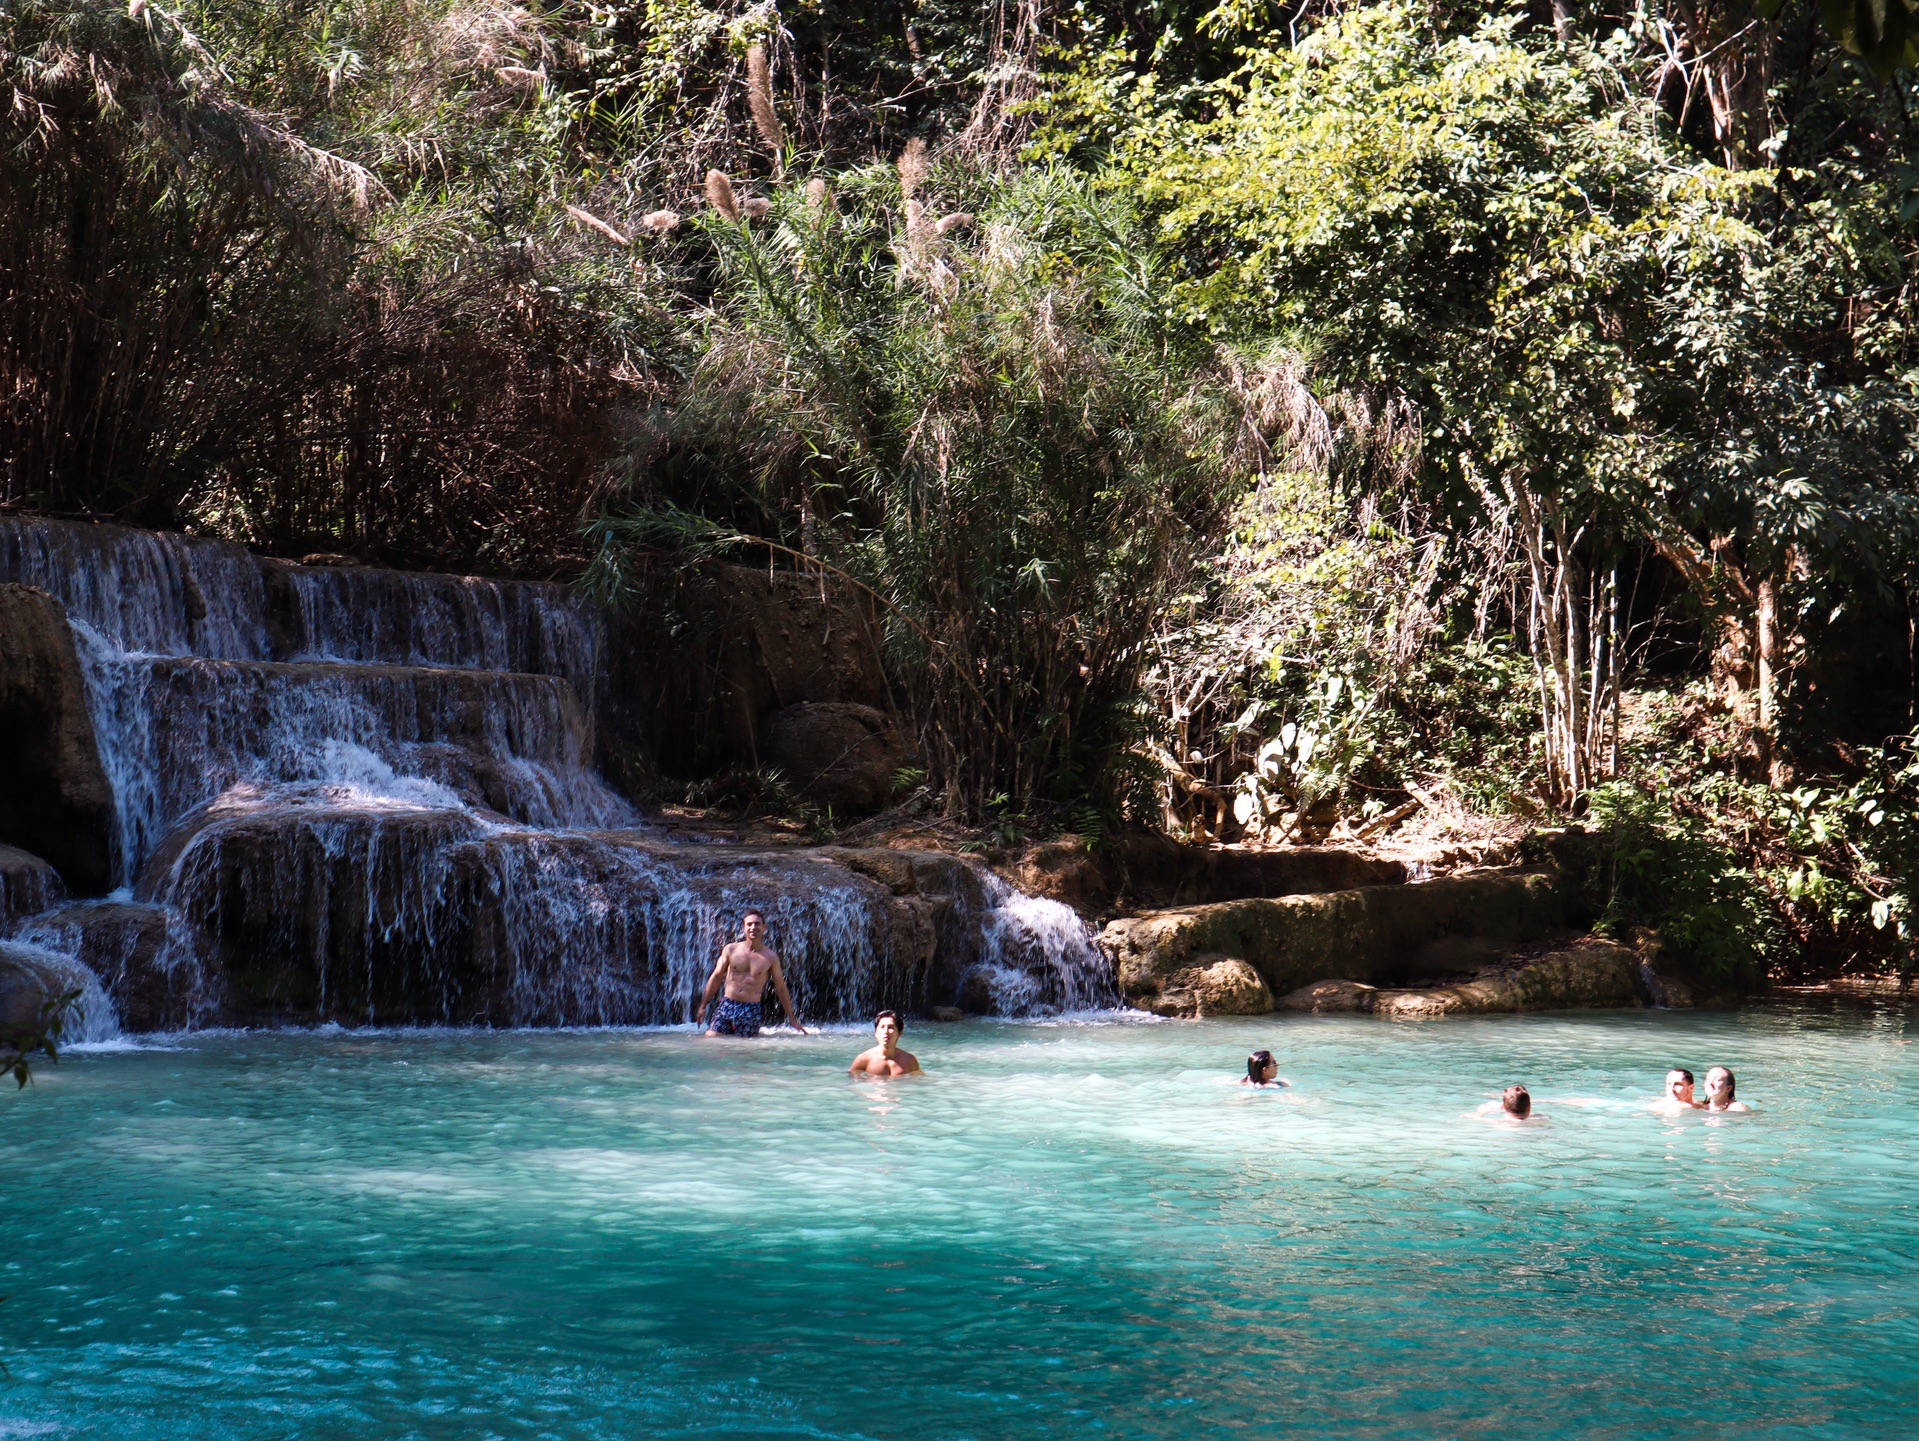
(875, 1062)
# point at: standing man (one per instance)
(745, 966)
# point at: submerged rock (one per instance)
(1329, 997)
(55, 798)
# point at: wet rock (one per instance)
(1330, 997)
(1215, 986)
(125, 944)
(55, 800)
(511, 742)
(1361, 934)
(27, 885)
(304, 911)
(948, 1013)
(835, 753)
(1157, 871)
(26, 989)
(1588, 973)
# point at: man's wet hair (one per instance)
(1517, 1101)
(1256, 1065)
(1684, 1074)
(750, 914)
(898, 1020)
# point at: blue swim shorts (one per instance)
(735, 1018)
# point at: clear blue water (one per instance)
(1064, 1231)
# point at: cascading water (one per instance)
(1038, 956)
(369, 796)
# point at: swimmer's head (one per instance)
(1517, 1102)
(1261, 1068)
(752, 925)
(1720, 1086)
(1679, 1084)
(888, 1027)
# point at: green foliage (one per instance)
(1331, 662)
(1851, 854)
(959, 391)
(1670, 869)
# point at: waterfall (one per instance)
(370, 796)
(1038, 956)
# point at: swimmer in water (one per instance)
(1678, 1098)
(1515, 1104)
(1719, 1091)
(887, 1059)
(1262, 1070)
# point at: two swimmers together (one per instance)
(1721, 1093)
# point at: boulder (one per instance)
(1065, 870)
(55, 800)
(1217, 986)
(836, 753)
(124, 944)
(1330, 997)
(28, 885)
(1366, 934)
(1588, 973)
(25, 990)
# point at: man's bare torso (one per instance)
(875, 1062)
(747, 969)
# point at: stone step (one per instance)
(1247, 952)
(176, 732)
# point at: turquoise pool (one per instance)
(1063, 1231)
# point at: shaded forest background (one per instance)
(1264, 422)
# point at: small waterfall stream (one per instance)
(366, 796)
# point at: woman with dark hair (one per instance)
(1722, 1092)
(1262, 1070)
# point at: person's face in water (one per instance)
(753, 930)
(1719, 1085)
(886, 1031)
(1678, 1088)
(1269, 1073)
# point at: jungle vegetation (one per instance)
(1262, 421)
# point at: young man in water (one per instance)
(886, 1059)
(1722, 1091)
(1678, 1098)
(745, 966)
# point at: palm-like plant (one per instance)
(984, 418)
